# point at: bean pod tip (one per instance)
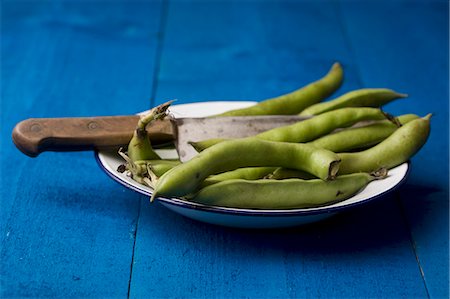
(336, 65)
(333, 170)
(380, 173)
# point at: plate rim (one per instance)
(250, 212)
(181, 203)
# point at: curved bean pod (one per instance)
(282, 194)
(245, 173)
(162, 166)
(204, 144)
(247, 152)
(360, 137)
(322, 124)
(296, 101)
(393, 151)
(312, 128)
(366, 97)
(341, 141)
(346, 140)
(139, 147)
(287, 173)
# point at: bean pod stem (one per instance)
(140, 147)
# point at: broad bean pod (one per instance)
(296, 101)
(360, 137)
(287, 173)
(311, 128)
(344, 140)
(245, 173)
(185, 178)
(282, 194)
(393, 151)
(158, 168)
(366, 97)
(139, 147)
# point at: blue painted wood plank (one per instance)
(353, 255)
(410, 52)
(205, 57)
(67, 229)
(255, 50)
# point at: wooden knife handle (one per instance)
(36, 135)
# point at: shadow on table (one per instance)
(375, 225)
(423, 204)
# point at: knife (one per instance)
(36, 135)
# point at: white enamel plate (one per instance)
(246, 218)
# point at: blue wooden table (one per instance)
(70, 231)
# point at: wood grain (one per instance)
(36, 135)
(67, 229)
(265, 48)
(416, 63)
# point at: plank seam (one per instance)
(156, 70)
(411, 239)
(159, 49)
(349, 44)
(134, 245)
(360, 82)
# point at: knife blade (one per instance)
(36, 135)
(198, 129)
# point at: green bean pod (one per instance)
(282, 194)
(341, 141)
(140, 147)
(287, 173)
(322, 124)
(296, 101)
(162, 166)
(311, 128)
(246, 152)
(200, 146)
(393, 151)
(366, 97)
(245, 173)
(347, 140)
(361, 136)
